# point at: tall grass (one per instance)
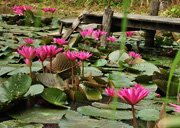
(173, 67)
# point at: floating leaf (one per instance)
(35, 90)
(92, 94)
(39, 115)
(100, 62)
(19, 124)
(93, 71)
(14, 88)
(104, 113)
(89, 49)
(145, 68)
(148, 114)
(85, 122)
(112, 105)
(120, 80)
(114, 57)
(4, 70)
(51, 80)
(54, 96)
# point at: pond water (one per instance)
(51, 101)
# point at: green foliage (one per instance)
(39, 115)
(105, 113)
(173, 11)
(54, 96)
(148, 114)
(14, 88)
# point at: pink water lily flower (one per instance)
(19, 10)
(177, 107)
(133, 95)
(129, 34)
(60, 41)
(82, 55)
(28, 53)
(52, 10)
(134, 55)
(98, 33)
(41, 54)
(72, 55)
(110, 91)
(111, 39)
(87, 33)
(28, 40)
(51, 50)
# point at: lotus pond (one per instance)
(49, 82)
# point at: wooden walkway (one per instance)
(137, 22)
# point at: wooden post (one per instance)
(149, 36)
(106, 24)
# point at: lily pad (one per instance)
(112, 105)
(54, 96)
(92, 94)
(51, 80)
(100, 62)
(115, 56)
(4, 70)
(19, 124)
(92, 71)
(39, 115)
(120, 80)
(105, 113)
(148, 114)
(35, 90)
(145, 68)
(15, 87)
(85, 122)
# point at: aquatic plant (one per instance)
(29, 53)
(82, 55)
(132, 96)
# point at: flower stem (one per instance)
(50, 64)
(72, 75)
(30, 71)
(82, 68)
(134, 118)
(42, 66)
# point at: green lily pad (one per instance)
(15, 87)
(35, 90)
(100, 62)
(112, 105)
(145, 68)
(39, 115)
(54, 96)
(88, 48)
(115, 56)
(92, 94)
(93, 71)
(51, 80)
(85, 122)
(105, 113)
(4, 70)
(120, 80)
(148, 114)
(19, 124)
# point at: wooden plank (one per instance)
(140, 22)
(149, 34)
(106, 24)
